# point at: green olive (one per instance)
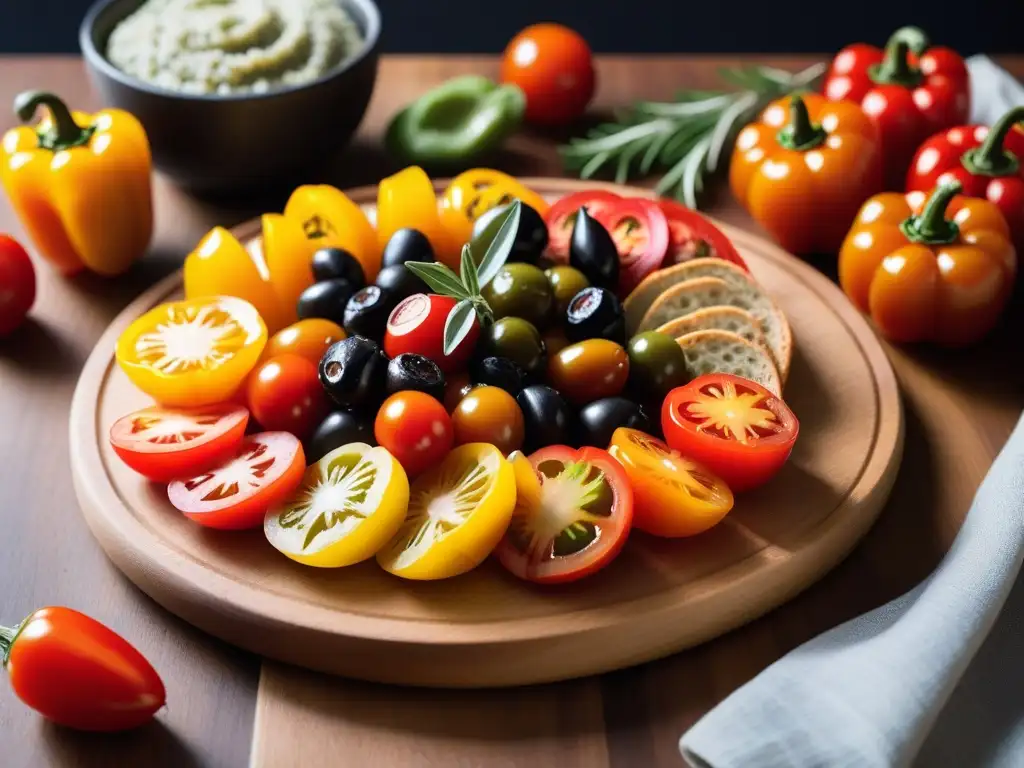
(519, 341)
(521, 290)
(656, 366)
(566, 282)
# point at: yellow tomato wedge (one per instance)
(193, 352)
(458, 512)
(407, 199)
(289, 258)
(329, 219)
(349, 505)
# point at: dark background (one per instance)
(650, 26)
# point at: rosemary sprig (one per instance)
(687, 139)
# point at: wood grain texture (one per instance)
(959, 410)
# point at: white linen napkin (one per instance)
(905, 683)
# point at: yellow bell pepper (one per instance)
(331, 220)
(474, 192)
(80, 184)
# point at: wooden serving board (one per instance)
(487, 628)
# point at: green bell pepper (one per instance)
(456, 123)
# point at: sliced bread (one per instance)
(724, 352)
(732, 319)
(651, 287)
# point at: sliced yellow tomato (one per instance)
(407, 199)
(330, 219)
(193, 352)
(458, 512)
(350, 504)
(289, 257)
(474, 192)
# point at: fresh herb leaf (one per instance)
(501, 246)
(440, 278)
(457, 326)
(467, 271)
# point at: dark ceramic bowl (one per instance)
(229, 143)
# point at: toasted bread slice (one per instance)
(651, 287)
(717, 351)
(732, 319)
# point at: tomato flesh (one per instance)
(561, 217)
(166, 443)
(262, 472)
(572, 517)
(735, 427)
(691, 236)
(640, 231)
(417, 325)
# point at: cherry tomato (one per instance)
(573, 513)
(163, 444)
(415, 428)
(640, 232)
(561, 217)
(589, 370)
(489, 415)
(17, 284)
(554, 67)
(692, 236)
(285, 395)
(734, 427)
(78, 673)
(417, 325)
(308, 338)
(236, 494)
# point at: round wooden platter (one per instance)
(486, 628)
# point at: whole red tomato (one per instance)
(77, 673)
(554, 67)
(17, 284)
(415, 428)
(417, 325)
(284, 394)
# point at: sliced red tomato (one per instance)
(167, 443)
(640, 232)
(574, 509)
(261, 473)
(691, 236)
(733, 426)
(561, 217)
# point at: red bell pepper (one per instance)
(909, 90)
(987, 163)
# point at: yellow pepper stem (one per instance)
(62, 132)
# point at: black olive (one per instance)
(400, 282)
(595, 313)
(353, 371)
(412, 371)
(599, 419)
(592, 251)
(329, 263)
(546, 418)
(326, 300)
(530, 241)
(366, 313)
(500, 372)
(338, 429)
(406, 245)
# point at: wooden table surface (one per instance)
(227, 708)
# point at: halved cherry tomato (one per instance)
(193, 352)
(417, 325)
(561, 217)
(163, 444)
(691, 236)
(350, 504)
(573, 513)
(329, 219)
(236, 494)
(284, 394)
(416, 428)
(672, 495)
(474, 192)
(734, 427)
(458, 511)
(407, 199)
(307, 338)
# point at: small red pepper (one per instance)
(986, 162)
(909, 90)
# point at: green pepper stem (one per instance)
(800, 133)
(991, 158)
(64, 132)
(7, 635)
(895, 68)
(932, 227)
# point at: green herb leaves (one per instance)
(472, 277)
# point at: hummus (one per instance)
(233, 46)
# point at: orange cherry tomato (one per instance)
(489, 415)
(415, 428)
(284, 394)
(555, 68)
(308, 338)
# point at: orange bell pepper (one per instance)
(80, 184)
(803, 169)
(940, 271)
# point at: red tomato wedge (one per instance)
(640, 232)
(735, 427)
(574, 510)
(261, 473)
(561, 217)
(691, 236)
(167, 443)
